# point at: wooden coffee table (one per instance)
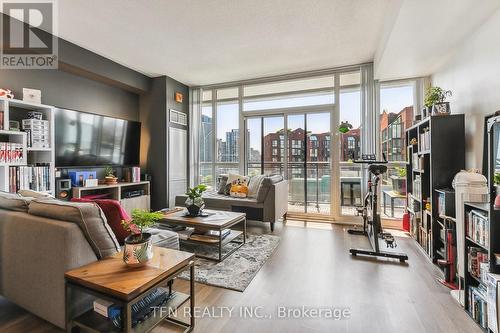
(216, 220)
(112, 280)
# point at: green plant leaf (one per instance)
(141, 253)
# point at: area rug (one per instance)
(236, 271)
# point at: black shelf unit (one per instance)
(435, 155)
(470, 280)
(494, 213)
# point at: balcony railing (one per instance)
(317, 181)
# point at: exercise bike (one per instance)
(372, 226)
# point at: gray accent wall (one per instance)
(88, 82)
(69, 91)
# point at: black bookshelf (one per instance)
(493, 127)
(472, 244)
(435, 156)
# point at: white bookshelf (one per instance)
(14, 109)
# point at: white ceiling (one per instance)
(425, 34)
(211, 41)
(202, 42)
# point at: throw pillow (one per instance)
(14, 201)
(114, 213)
(255, 183)
(238, 185)
(34, 194)
(89, 218)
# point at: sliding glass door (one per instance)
(301, 154)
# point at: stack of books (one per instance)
(141, 310)
(215, 233)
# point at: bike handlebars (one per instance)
(371, 160)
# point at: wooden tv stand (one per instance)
(118, 192)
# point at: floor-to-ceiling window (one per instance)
(227, 144)
(290, 126)
(206, 140)
(397, 109)
(350, 142)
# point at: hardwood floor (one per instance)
(312, 268)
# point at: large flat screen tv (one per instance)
(86, 140)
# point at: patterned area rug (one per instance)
(236, 271)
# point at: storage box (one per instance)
(38, 132)
(78, 177)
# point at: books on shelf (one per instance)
(132, 175)
(215, 233)
(36, 178)
(11, 152)
(477, 259)
(103, 307)
(477, 227)
(478, 306)
(425, 141)
(417, 187)
(209, 236)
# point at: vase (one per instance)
(195, 206)
(108, 180)
(138, 250)
(441, 108)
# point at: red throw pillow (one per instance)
(114, 213)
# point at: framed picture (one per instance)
(32, 95)
(179, 97)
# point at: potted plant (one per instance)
(138, 248)
(435, 100)
(496, 181)
(194, 202)
(399, 181)
(109, 176)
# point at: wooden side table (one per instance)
(110, 279)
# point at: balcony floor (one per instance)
(324, 209)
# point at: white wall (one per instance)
(473, 74)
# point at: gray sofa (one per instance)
(36, 251)
(268, 205)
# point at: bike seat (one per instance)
(377, 169)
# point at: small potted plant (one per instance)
(435, 100)
(496, 181)
(194, 202)
(399, 181)
(138, 248)
(109, 176)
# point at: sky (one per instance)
(392, 99)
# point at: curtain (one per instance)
(194, 138)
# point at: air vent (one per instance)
(178, 117)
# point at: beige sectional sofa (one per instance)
(36, 251)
